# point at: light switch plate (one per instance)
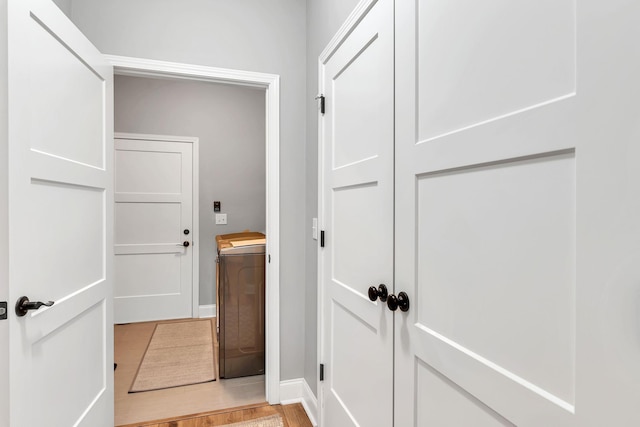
(221, 219)
(314, 228)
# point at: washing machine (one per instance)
(240, 277)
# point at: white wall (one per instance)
(252, 35)
(230, 122)
(324, 18)
(4, 218)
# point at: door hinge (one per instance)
(269, 258)
(321, 98)
(322, 238)
(322, 372)
(3, 310)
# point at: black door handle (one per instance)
(185, 244)
(381, 293)
(401, 301)
(24, 305)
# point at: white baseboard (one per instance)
(310, 404)
(207, 311)
(298, 391)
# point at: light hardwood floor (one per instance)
(130, 344)
(292, 415)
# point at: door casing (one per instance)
(138, 67)
(4, 209)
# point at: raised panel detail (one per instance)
(66, 101)
(47, 382)
(352, 380)
(148, 172)
(355, 100)
(361, 252)
(75, 259)
(442, 403)
(496, 265)
(480, 60)
(147, 274)
(148, 223)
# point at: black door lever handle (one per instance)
(24, 305)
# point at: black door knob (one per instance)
(185, 244)
(381, 293)
(186, 231)
(401, 301)
(24, 305)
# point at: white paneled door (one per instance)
(515, 207)
(517, 213)
(153, 228)
(357, 207)
(60, 222)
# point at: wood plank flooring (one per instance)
(130, 344)
(292, 415)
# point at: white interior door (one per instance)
(357, 194)
(517, 218)
(60, 221)
(153, 229)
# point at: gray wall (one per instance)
(252, 35)
(4, 216)
(64, 5)
(230, 122)
(324, 19)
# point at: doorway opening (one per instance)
(266, 86)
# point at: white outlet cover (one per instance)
(221, 219)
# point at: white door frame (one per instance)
(195, 202)
(271, 83)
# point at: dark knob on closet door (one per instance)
(401, 302)
(381, 292)
(186, 231)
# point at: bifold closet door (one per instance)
(517, 213)
(357, 212)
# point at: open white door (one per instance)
(154, 236)
(518, 215)
(357, 213)
(60, 221)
